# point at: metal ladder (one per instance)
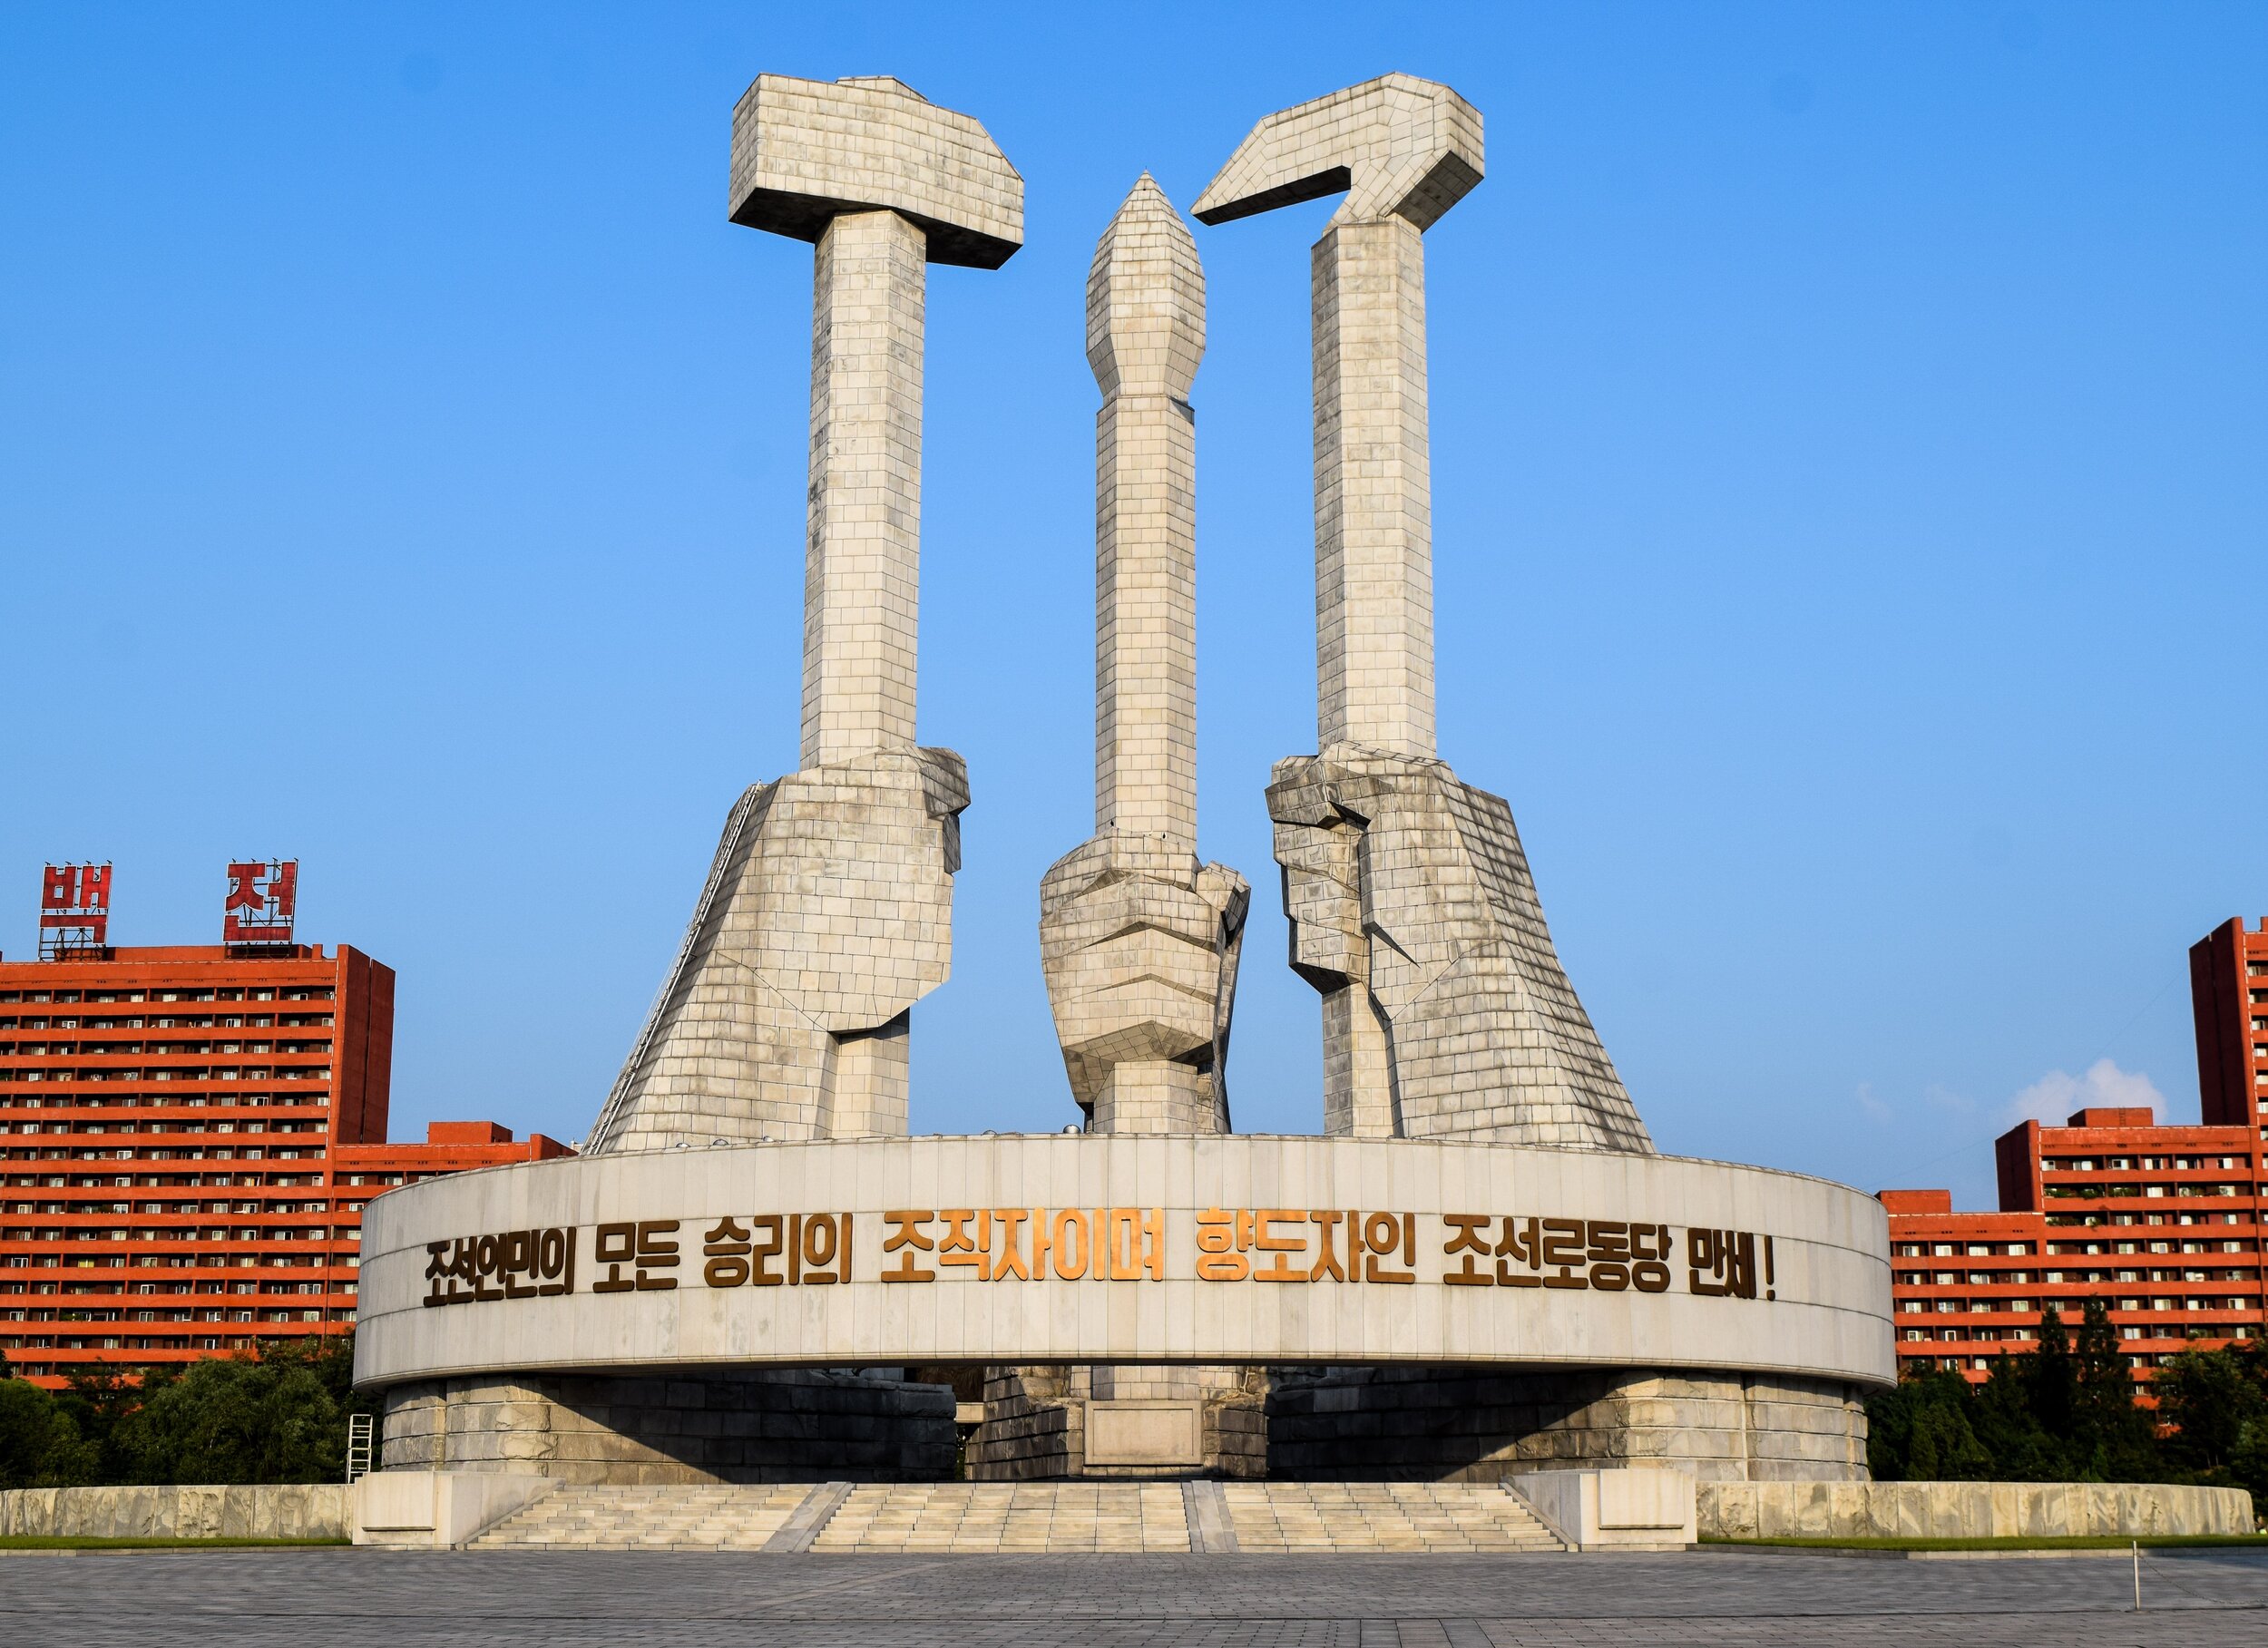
(361, 1443)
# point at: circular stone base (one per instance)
(1122, 1251)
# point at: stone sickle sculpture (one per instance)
(1138, 940)
(828, 910)
(1446, 1012)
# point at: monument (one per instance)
(828, 912)
(1480, 1268)
(1138, 940)
(1446, 1013)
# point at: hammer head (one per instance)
(1399, 147)
(805, 152)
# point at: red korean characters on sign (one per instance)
(263, 898)
(74, 909)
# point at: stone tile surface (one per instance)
(1405, 151)
(511, 1599)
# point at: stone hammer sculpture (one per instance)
(828, 910)
(1446, 1012)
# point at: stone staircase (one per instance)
(1033, 1518)
(1282, 1518)
(703, 1518)
(1010, 1517)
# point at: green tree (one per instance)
(2021, 1449)
(2051, 1379)
(1921, 1431)
(237, 1419)
(2248, 1460)
(97, 1397)
(2115, 1438)
(39, 1445)
(2215, 1403)
(2208, 1397)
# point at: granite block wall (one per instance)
(1035, 1421)
(1481, 1425)
(311, 1510)
(789, 1427)
(1967, 1510)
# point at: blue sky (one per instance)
(1847, 427)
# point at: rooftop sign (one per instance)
(75, 910)
(263, 899)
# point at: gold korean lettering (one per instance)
(1280, 1245)
(1137, 1243)
(519, 1263)
(1010, 1220)
(617, 1246)
(960, 1246)
(1326, 1263)
(655, 1252)
(1468, 1235)
(769, 1242)
(506, 1264)
(1219, 1236)
(906, 1239)
(1383, 1235)
(1721, 1264)
(1608, 1247)
(1564, 1253)
(1649, 1246)
(1520, 1245)
(1073, 1235)
(826, 1249)
(727, 1249)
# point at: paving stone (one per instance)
(926, 1599)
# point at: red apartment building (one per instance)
(2228, 995)
(190, 1137)
(2162, 1223)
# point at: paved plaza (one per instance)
(347, 1599)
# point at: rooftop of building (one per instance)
(2094, 1120)
(457, 1137)
(171, 955)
